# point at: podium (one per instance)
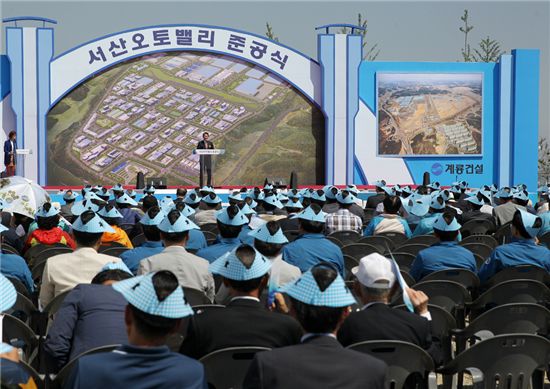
(206, 164)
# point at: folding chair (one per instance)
(464, 277)
(449, 295)
(18, 334)
(210, 227)
(23, 309)
(504, 361)
(6, 248)
(403, 359)
(138, 240)
(210, 237)
(49, 252)
(545, 239)
(383, 243)
(19, 286)
(291, 235)
(397, 238)
(227, 368)
(349, 263)
(504, 233)
(404, 260)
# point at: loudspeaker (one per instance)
(140, 181)
(426, 179)
(157, 182)
(293, 180)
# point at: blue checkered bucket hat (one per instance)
(231, 267)
(140, 293)
(262, 233)
(306, 290)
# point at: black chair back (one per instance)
(413, 248)
(527, 272)
(138, 240)
(397, 238)
(404, 260)
(359, 250)
(477, 227)
(483, 250)
(381, 242)
(115, 251)
(506, 361)
(346, 237)
(210, 227)
(402, 358)
(195, 296)
(423, 239)
(17, 334)
(464, 277)
(291, 235)
(227, 368)
(485, 239)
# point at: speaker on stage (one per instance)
(157, 182)
(140, 181)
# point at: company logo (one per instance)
(437, 169)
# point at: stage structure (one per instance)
(382, 120)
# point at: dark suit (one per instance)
(319, 362)
(381, 322)
(90, 316)
(206, 162)
(374, 200)
(242, 323)
(9, 152)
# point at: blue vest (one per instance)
(310, 249)
(442, 256)
(196, 240)
(132, 257)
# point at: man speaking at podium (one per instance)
(206, 160)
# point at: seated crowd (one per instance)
(130, 271)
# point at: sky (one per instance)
(403, 30)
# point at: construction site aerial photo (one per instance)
(429, 113)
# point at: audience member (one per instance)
(330, 193)
(272, 208)
(190, 270)
(92, 315)
(230, 222)
(152, 245)
(375, 285)
(63, 272)
(320, 301)
(155, 309)
(113, 217)
(69, 197)
(476, 202)
(127, 208)
(446, 254)
(523, 249)
(343, 219)
(209, 206)
(374, 200)
(425, 225)
(312, 247)
(389, 221)
(48, 232)
(246, 322)
(12, 265)
(504, 212)
(196, 239)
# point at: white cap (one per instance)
(375, 271)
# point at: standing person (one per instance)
(156, 307)
(206, 160)
(320, 301)
(10, 145)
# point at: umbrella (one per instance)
(22, 196)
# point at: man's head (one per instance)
(437, 204)
(312, 219)
(212, 200)
(379, 186)
(111, 273)
(181, 193)
(150, 222)
(475, 202)
(88, 229)
(319, 299)
(148, 202)
(205, 136)
(446, 228)
(375, 279)
(525, 225)
(244, 271)
(392, 205)
(110, 214)
(47, 217)
(345, 199)
(12, 135)
(269, 239)
(174, 229)
(521, 197)
(230, 221)
(156, 306)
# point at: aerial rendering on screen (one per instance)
(147, 115)
(429, 113)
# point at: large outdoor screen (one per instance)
(426, 114)
(147, 115)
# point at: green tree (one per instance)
(269, 33)
(369, 53)
(465, 29)
(489, 51)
